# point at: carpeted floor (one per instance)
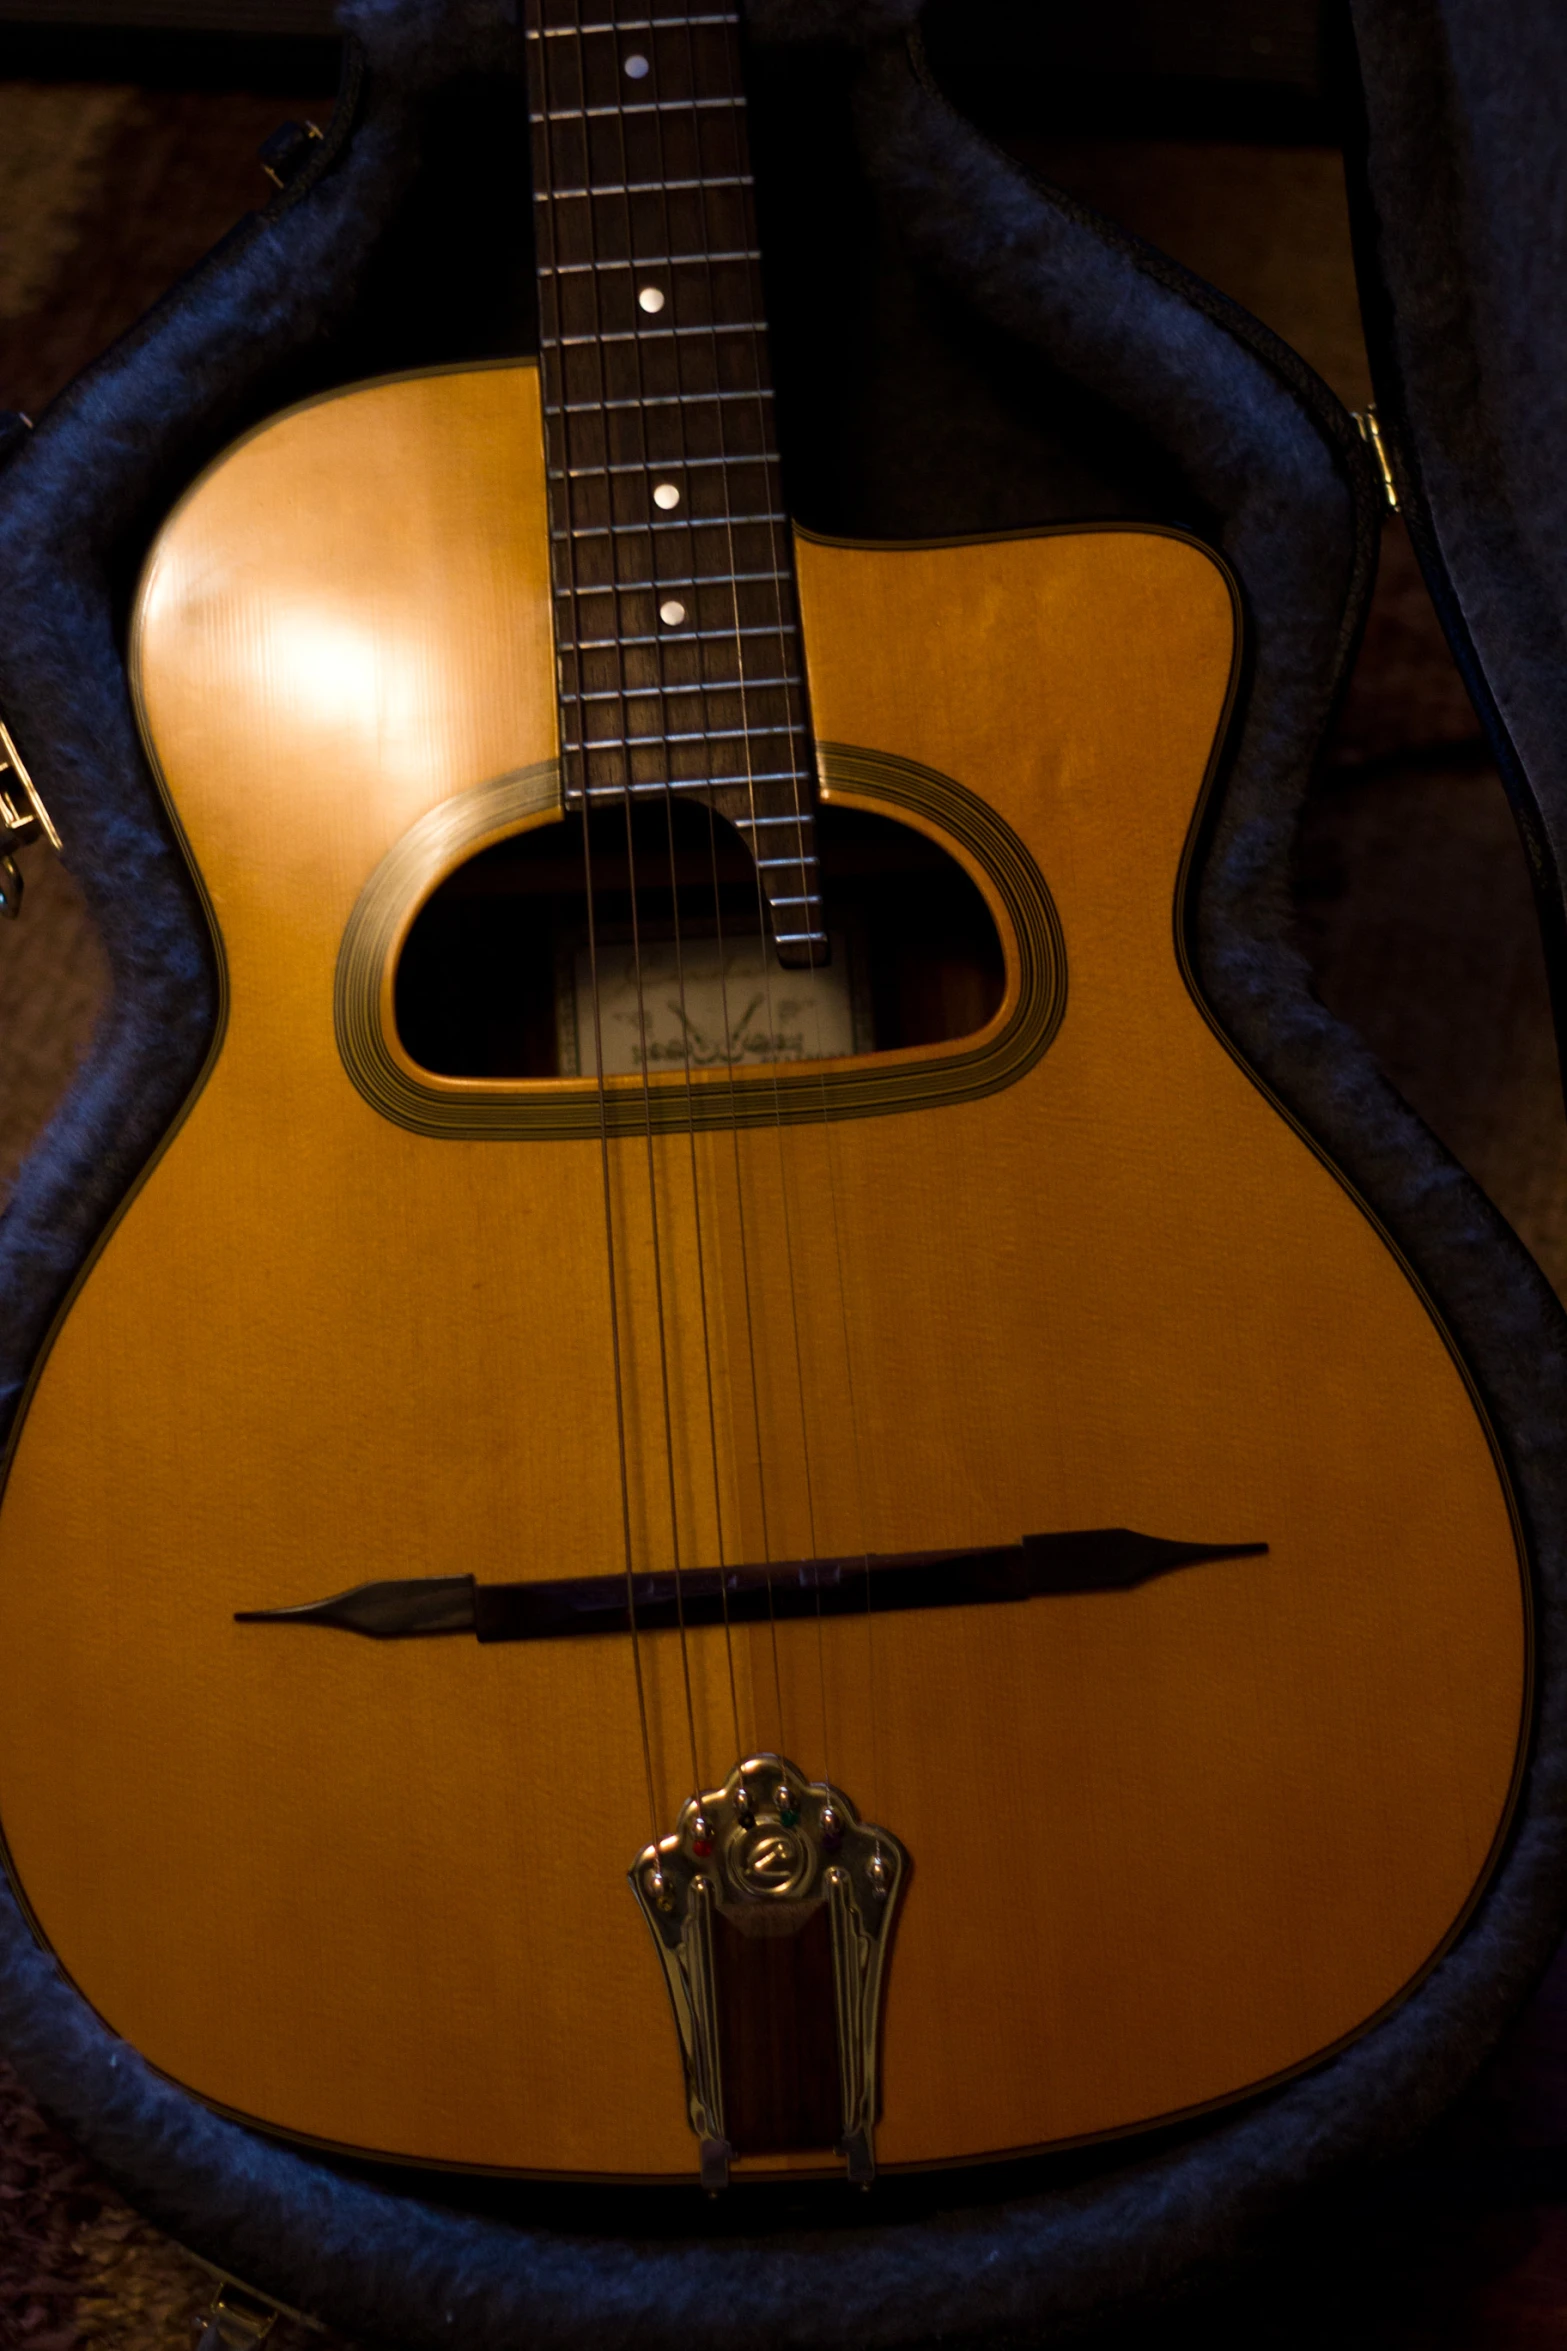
(78, 2268)
(1414, 911)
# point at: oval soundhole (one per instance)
(495, 978)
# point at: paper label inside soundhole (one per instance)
(711, 1004)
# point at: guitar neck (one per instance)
(676, 636)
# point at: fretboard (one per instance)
(676, 638)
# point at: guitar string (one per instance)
(703, 1303)
(872, 1792)
(761, 461)
(545, 205)
(667, 246)
(750, 1334)
(794, 706)
(777, 573)
(835, 1226)
(661, 659)
(628, 802)
(726, 519)
(805, 899)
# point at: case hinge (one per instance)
(23, 817)
(235, 2320)
(1370, 432)
(284, 155)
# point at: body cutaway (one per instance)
(1167, 1843)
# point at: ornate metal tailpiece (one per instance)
(770, 1841)
(23, 817)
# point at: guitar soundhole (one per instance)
(494, 979)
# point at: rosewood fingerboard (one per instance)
(677, 643)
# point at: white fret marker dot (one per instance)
(672, 612)
(650, 298)
(666, 495)
(636, 66)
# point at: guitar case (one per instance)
(959, 349)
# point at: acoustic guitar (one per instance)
(733, 1503)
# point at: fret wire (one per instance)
(574, 704)
(703, 686)
(644, 106)
(684, 735)
(643, 187)
(578, 709)
(706, 779)
(561, 269)
(689, 779)
(630, 24)
(687, 635)
(698, 784)
(784, 721)
(575, 710)
(719, 579)
(574, 473)
(684, 522)
(656, 400)
(717, 326)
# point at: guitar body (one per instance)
(1167, 1844)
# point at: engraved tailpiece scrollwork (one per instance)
(770, 1851)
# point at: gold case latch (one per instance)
(1370, 432)
(23, 817)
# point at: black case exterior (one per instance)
(1080, 374)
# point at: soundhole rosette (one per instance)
(575, 1109)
